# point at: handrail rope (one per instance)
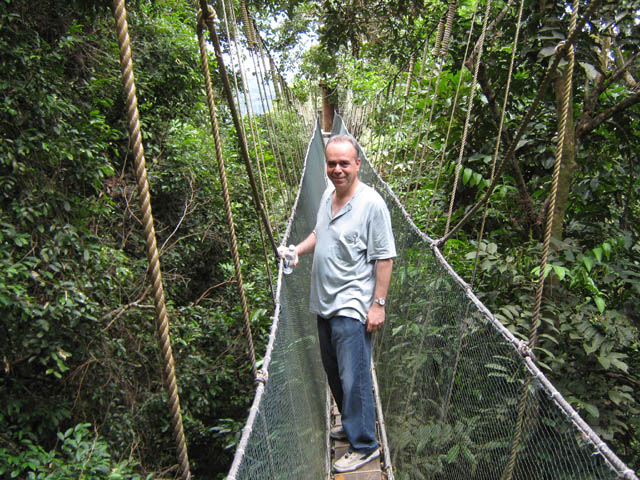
(202, 20)
(162, 318)
(559, 54)
(486, 207)
(208, 21)
(562, 132)
(467, 119)
(454, 108)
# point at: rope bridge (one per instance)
(458, 395)
(450, 375)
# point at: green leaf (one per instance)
(466, 175)
(598, 253)
(600, 303)
(588, 263)
(560, 271)
(452, 454)
(591, 409)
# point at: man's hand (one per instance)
(375, 318)
(286, 255)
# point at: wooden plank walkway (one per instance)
(369, 471)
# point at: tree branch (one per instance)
(592, 123)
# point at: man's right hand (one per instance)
(287, 257)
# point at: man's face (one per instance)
(343, 164)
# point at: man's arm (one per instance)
(376, 315)
(308, 245)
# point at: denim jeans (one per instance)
(345, 348)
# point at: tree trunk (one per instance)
(568, 165)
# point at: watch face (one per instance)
(380, 301)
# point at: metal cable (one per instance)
(162, 318)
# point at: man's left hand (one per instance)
(375, 318)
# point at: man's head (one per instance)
(343, 163)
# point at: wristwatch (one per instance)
(380, 301)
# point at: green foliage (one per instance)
(80, 383)
(80, 454)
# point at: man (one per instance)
(353, 249)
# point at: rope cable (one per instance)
(162, 318)
(559, 54)
(467, 119)
(208, 19)
(562, 131)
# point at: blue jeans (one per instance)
(345, 348)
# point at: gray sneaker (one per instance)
(338, 433)
(353, 460)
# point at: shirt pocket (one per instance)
(348, 247)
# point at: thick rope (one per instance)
(225, 189)
(162, 319)
(453, 4)
(562, 132)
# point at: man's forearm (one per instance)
(308, 245)
(383, 277)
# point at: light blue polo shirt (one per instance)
(343, 275)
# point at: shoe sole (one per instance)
(375, 454)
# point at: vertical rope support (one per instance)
(162, 319)
(447, 29)
(533, 335)
(474, 82)
(225, 189)
(208, 15)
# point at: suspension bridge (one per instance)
(458, 395)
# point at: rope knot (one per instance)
(525, 350)
(261, 377)
(211, 14)
(559, 47)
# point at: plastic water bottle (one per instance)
(289, 257)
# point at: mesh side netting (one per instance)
(450, 376)
(285, 435)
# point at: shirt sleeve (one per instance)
(380, 242)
